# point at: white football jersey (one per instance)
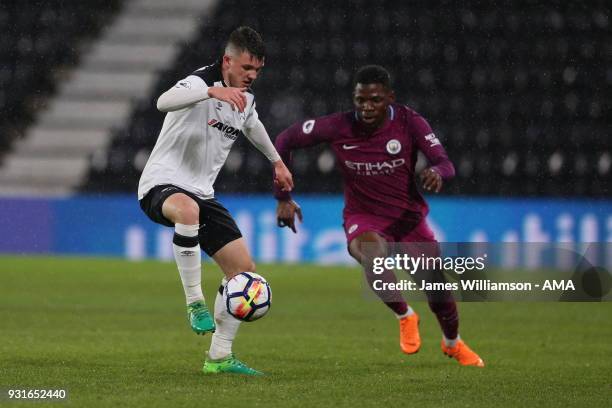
(194, 142)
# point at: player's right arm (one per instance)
(440, 167)
(193, 89)
(300, 135)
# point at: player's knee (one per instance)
(374, 250)
(367, 246)
(368, 251)
(239, 267)
(181, 209)
(188, 213)
(379, 251)
(250, 266)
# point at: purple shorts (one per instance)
(390, 229)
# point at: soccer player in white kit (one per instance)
(206, 112)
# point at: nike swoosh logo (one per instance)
(349, 147)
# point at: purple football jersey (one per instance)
(378, 168)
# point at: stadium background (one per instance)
(519, 92)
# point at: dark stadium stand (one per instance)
(38, 37)
(519, 93)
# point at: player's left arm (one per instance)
(440, 167)
(256, 132)
(300, 135)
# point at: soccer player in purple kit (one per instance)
(376, 149)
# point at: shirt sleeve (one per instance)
(300, 135)
(252, 118)
(258, 136)
(186, 92)
(430, 145)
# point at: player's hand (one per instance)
(234, 96)
(431, 179)
(282, 176)
(285, 214)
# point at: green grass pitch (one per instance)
(114, 333)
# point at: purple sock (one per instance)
(392, 298)
(447, 315)
(441, 303)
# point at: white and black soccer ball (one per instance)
(247, 296)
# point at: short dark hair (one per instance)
(245, 39)
(373, 74)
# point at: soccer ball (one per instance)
(247, 296)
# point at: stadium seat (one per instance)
(37, 37)
(516, 94)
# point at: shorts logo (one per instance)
(353, 228)
(394, 146)
(308, 126)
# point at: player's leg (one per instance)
(221, 239)
(184, 212)
(233, 258)
(421, 242)
(171, 206)
(367, 246)
(441, 302)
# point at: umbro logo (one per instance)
(188, 253)
(349, 147)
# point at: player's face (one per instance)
(371, 103)
(243, 69)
